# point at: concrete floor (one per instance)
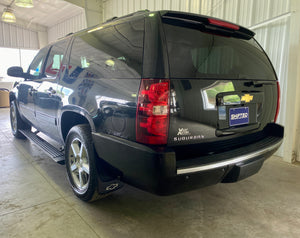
(36, 201)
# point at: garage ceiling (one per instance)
(45, 12)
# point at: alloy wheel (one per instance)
(13, 117)
(79, 165)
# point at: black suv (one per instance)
(165, 101)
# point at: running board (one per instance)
(57, 155)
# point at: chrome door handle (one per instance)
(31, 90)
(51, 91)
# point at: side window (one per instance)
(112, 52)
(54, 60)
(35, 68)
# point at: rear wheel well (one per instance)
(70, 119)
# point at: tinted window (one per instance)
(54, 60)
(35, 68)
(115, 51)
(194, 54)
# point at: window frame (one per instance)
(44, 58)
(63, 60)
(42, 75)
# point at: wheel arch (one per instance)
(12, 96)
(72, 116)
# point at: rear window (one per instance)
(195, 54)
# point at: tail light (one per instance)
(152, 115)
(278, 102)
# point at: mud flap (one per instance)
(108, 178)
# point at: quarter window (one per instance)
(112, 52)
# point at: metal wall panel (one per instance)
(244, 12)
(73, 24)
(273, 38)
(13, 36)
(245, 15)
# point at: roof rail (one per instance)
(129, 15)
(140, 11)
(111, 19)
(71, 33)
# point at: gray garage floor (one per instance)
(36, 201)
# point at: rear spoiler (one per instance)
(206, 24)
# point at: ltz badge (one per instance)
(183, 132)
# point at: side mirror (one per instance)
(16, 71)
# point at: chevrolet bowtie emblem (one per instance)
(247, 98)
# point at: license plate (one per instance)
(238, 116)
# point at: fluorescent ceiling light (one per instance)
(8, 15)
(24, 3)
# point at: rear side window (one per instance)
(112, 52)
(195, 54)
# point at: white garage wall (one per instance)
(73, 25)
(274, 39)
(12, 36)
(269, 19)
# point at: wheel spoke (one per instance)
(75, 149)
(74, 167)
(80, 179)
(81, 150)
(86, 168)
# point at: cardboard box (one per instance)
(4, 98)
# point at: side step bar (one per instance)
(57, 155)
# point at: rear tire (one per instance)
(16, 122)
(81, 163)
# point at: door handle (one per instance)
(31, 91)
(51, 91)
